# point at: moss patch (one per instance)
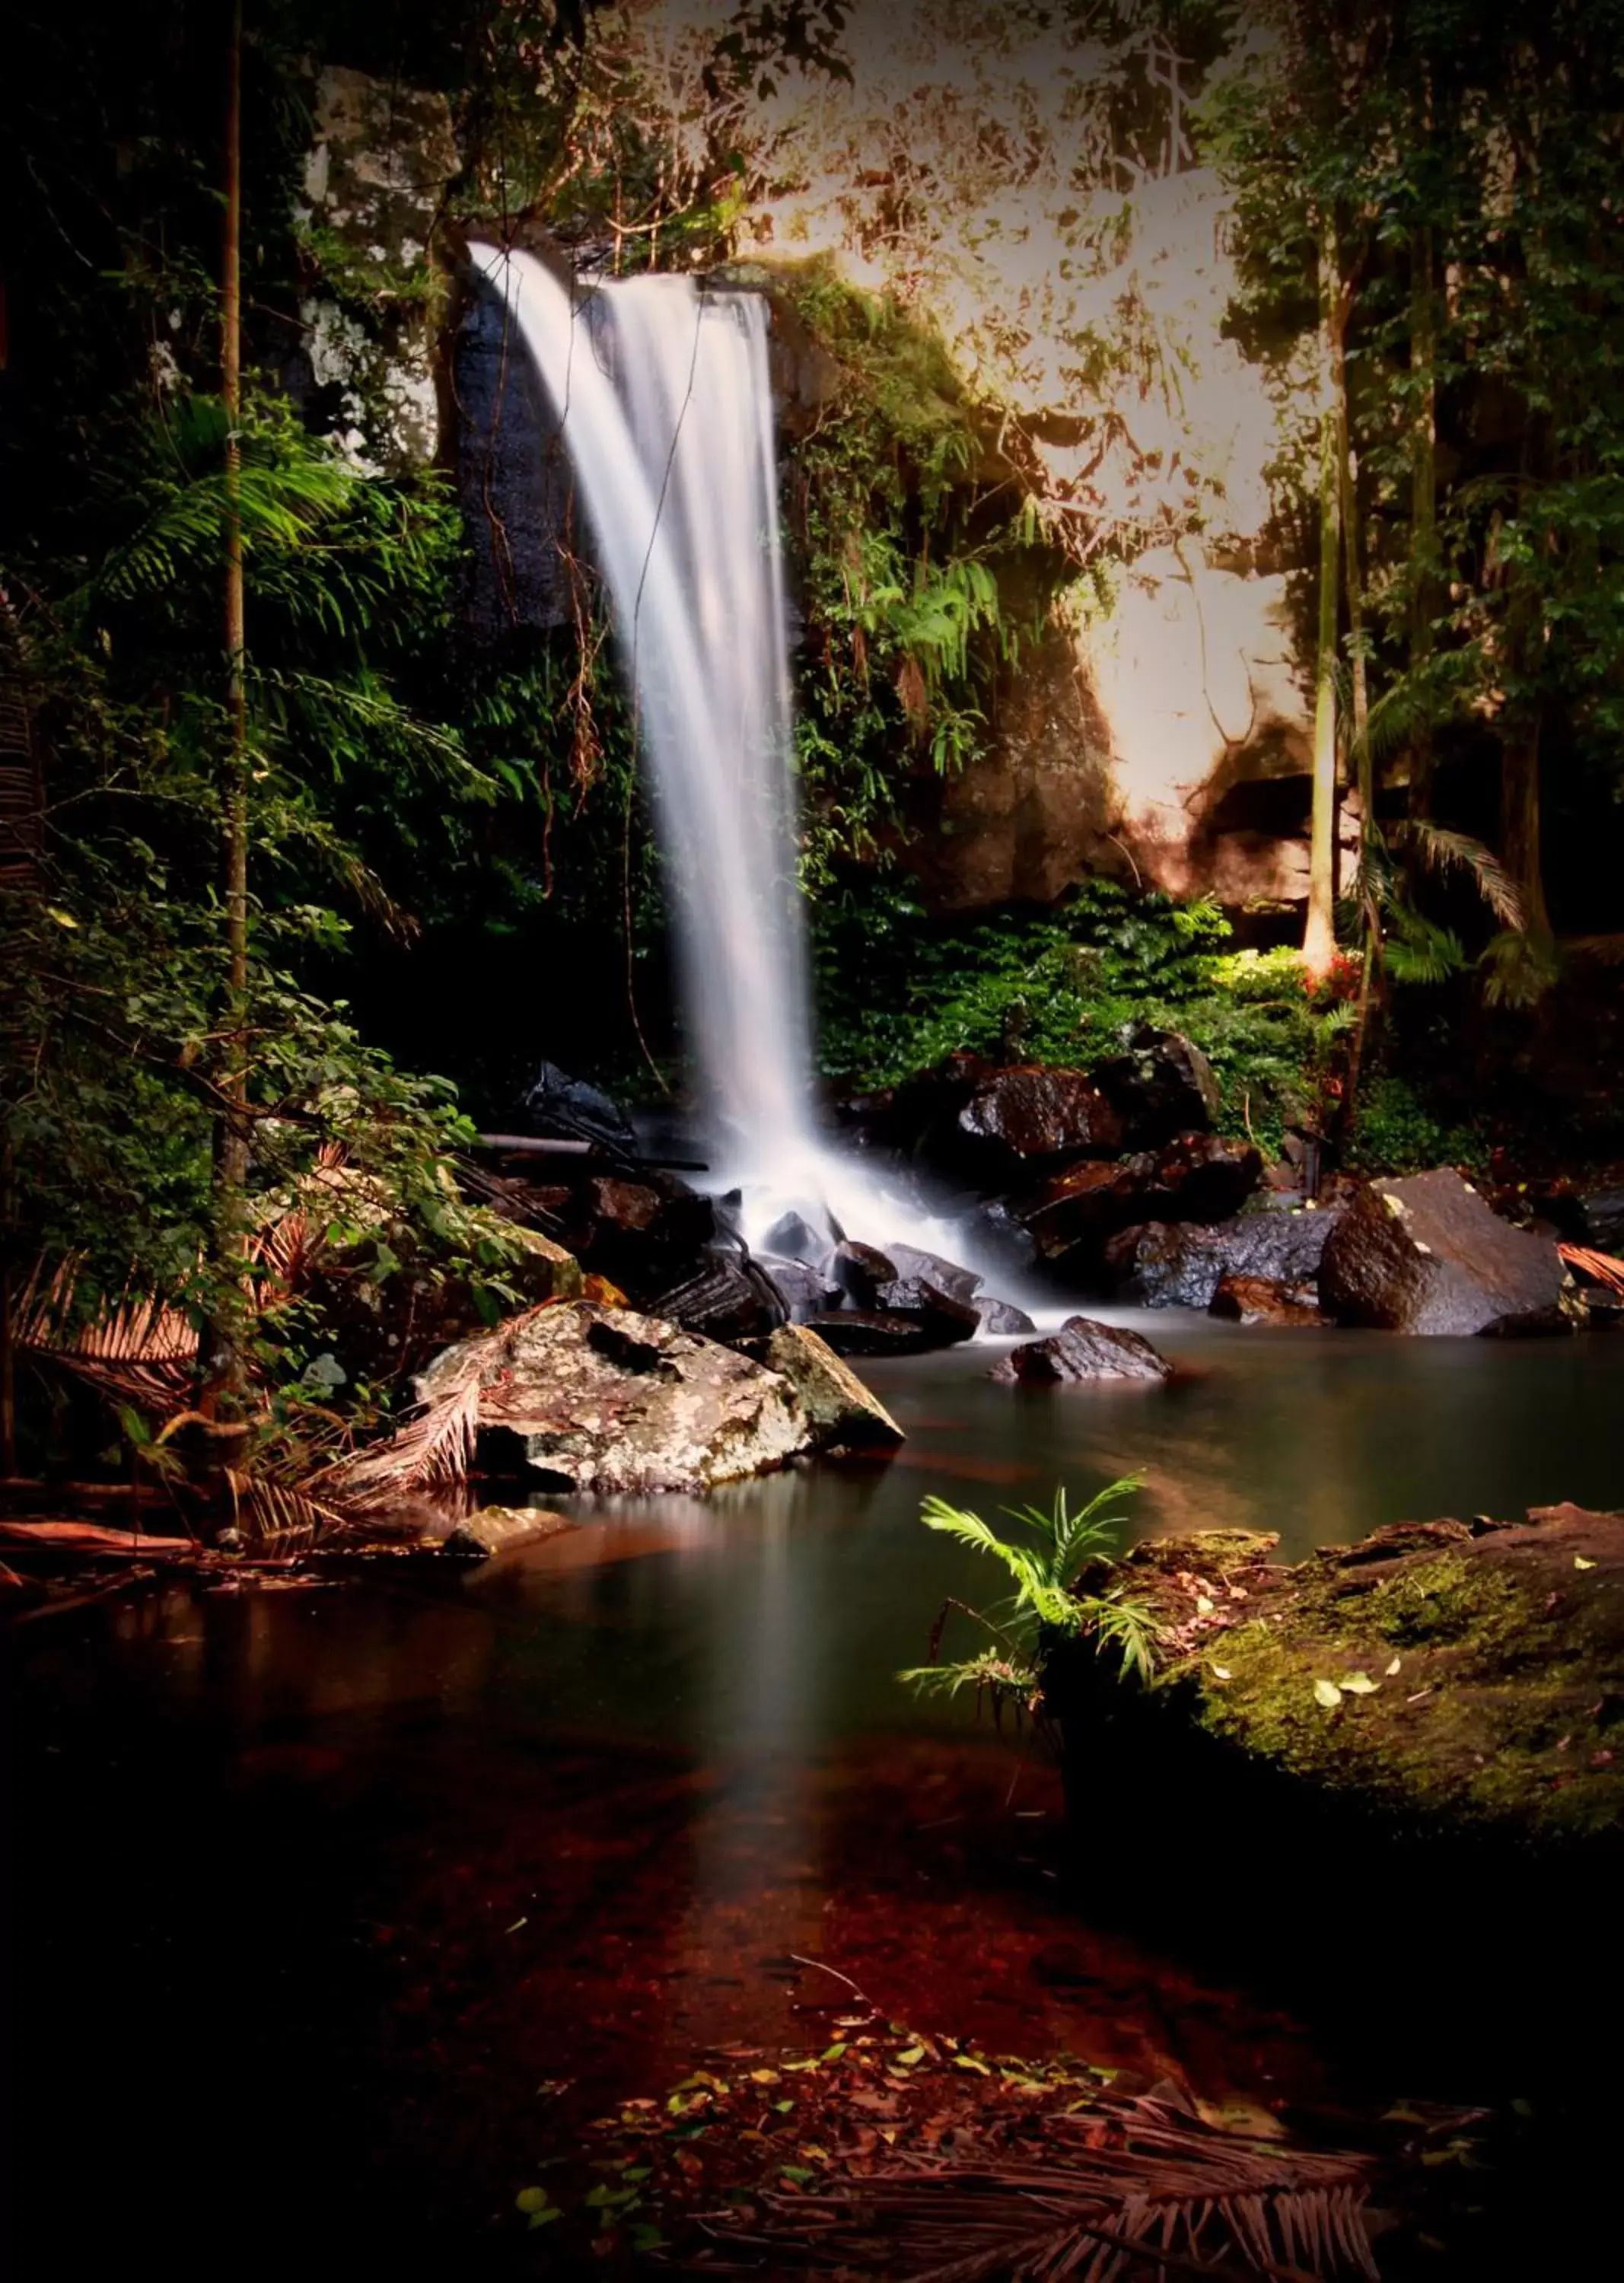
(1460, 1675)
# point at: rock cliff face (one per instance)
(1165, 739)
(375, 180)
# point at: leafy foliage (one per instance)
(1047, 1604)
(1063, 987)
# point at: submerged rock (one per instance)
(1181, 1263)
(1082, 1349)
(841, 1412)
(499, 1529)
(1426, 1255)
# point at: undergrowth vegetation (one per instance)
(1062, 987)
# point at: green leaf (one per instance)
(1359, 1684)
(1327, 1693)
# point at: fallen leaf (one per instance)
(1204, 1606)
(1580, 1563)
(1222, 1672)
(1389, 1670)
(1359, 1684)
(913, 2054)
(1327, 1693)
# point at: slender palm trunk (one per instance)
(221, 1358)
(1319, 930)
(1519, 821)
(1423, 497)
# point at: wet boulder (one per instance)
(1029, 1116)
(1181, 1263)
(942, 1317)
(804, 1291)
(1266, 1300)
(840, 1411)
(947, 1276)
(860, 1270)
(559, 1107)
(1197, 1177)
(871, 1332)
(1426, 1255)
(1161, 1086)
(1002, 1318)
(1080, 1349)
(731, 1297)
(583, 1397)
(1602, 1211)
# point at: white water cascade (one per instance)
(663, 391)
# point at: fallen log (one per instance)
(90, 1538)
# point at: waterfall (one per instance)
(661, 389)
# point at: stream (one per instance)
(338, 1906)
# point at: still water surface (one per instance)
(436, 1867)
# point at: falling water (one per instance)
(662, 390)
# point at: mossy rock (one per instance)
(1460, 1676)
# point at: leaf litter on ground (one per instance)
(900, 2153)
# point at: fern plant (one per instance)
(1046, 1606)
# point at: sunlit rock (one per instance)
(1427, 1255)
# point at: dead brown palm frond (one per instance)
(435, 1446)
(138, 1348)
(1601, 1268)
(1444, 852)
(276, 1518)
(286, 1252)
(1607, 950)
(1129, 2186)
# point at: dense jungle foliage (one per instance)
(448, 863)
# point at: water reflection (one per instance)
(570, 1816)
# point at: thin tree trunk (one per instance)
(1349, 504)
(1423, 497)
(1519, 821)
(221, 1358)
(1319, 928)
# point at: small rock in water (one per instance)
(1266, 1300)
(1082, 1349)
(1001, 1318)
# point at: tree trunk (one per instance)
(1423, 498)
(1519, 821)
(1319, 928)
(221, 1348)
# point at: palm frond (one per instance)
(435, 1446)
(1519, 969)
(1122, 2184)
(1443, 852)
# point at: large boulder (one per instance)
(1181, 1263)
(1426, 1255)
(1082, 1349)
(1161, 1086)
(840, 1411)
(584, 1398)
(1028, 1116)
